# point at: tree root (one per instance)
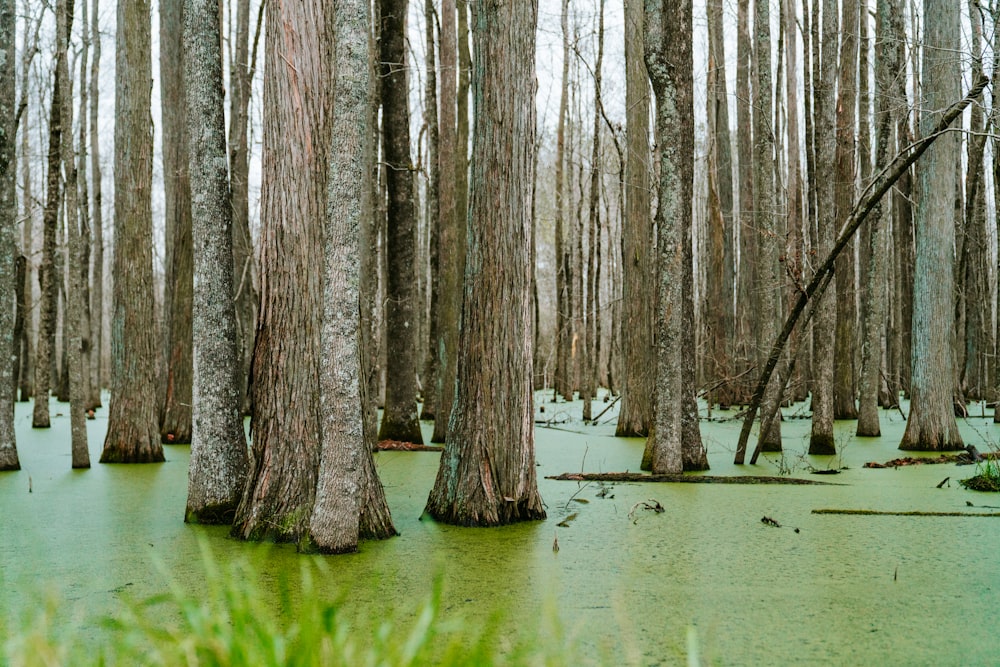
(695, 479)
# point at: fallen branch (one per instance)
(397, 446)
(695, 479)
(824, 273)
(911, 513)
(958, 459)
(601, 413)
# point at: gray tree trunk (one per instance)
(667, 38)
(133, 436)
(428, 410)
(83, 263)
(487, 473)
(399, 417)
(350, 502)
(219, 458)
(931, 424)
(8, 213)
(563, 384)
(746, 279)
(637, 378)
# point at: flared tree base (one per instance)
(8, 459)
(822, 445)
(130, 447)
(401, 430)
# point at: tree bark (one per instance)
(133, 436)
(72, 325)
(278, 499)
(175, 415)
(45, 349)
(844, 406)
(669, 61)
(768, 236)
(245, 278)
(487, 473)
(746, 278)
(219, 463)
(821, 440)
(97, 220)
(399, 417)
(350, 502)
(931, 424)
(638, 262)
(890, 18)
(563, 384)
(428, 410)
(8, 212)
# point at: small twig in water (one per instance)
(651, 504)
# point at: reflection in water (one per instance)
(845, 590)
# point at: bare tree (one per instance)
(97, 219)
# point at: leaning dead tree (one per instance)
(870, 198)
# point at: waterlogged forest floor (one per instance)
(628, 585)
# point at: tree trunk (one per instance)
(824, 323)
(638, 262)
(350, 502)
(794, 244)
(219, 459)
(720, 273)
(74, 299)
(844, 406)
(487, 472)
(175, 416)
(931, 424)
(133, 436)
(8, 213)
(97, 221)
(564, 303)
(768, 236)
(45, 349)
(83, 264)
(429, 380)
(890, 18)
(399, 418)
(245, 280)
(287, 416)
(591, 331)
(746, 279)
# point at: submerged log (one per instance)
(695, 479)
(909, 513)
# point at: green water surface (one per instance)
(851, 590)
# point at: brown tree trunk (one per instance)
(428, 410)
(745, 353)
(97, 221)
(768, 236)
(74, 299)
(564, 304)
(133, 436)
(287, 412)
(245, 279)
(637, 382)
(931, 423)
(8, 226)
(175, 415)
(844, 406)
(452, 155)
(45, 349)
(487, 472)
(399, 418)
(821, 439)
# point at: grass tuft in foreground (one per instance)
(232, 622)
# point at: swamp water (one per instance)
(621, 590)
